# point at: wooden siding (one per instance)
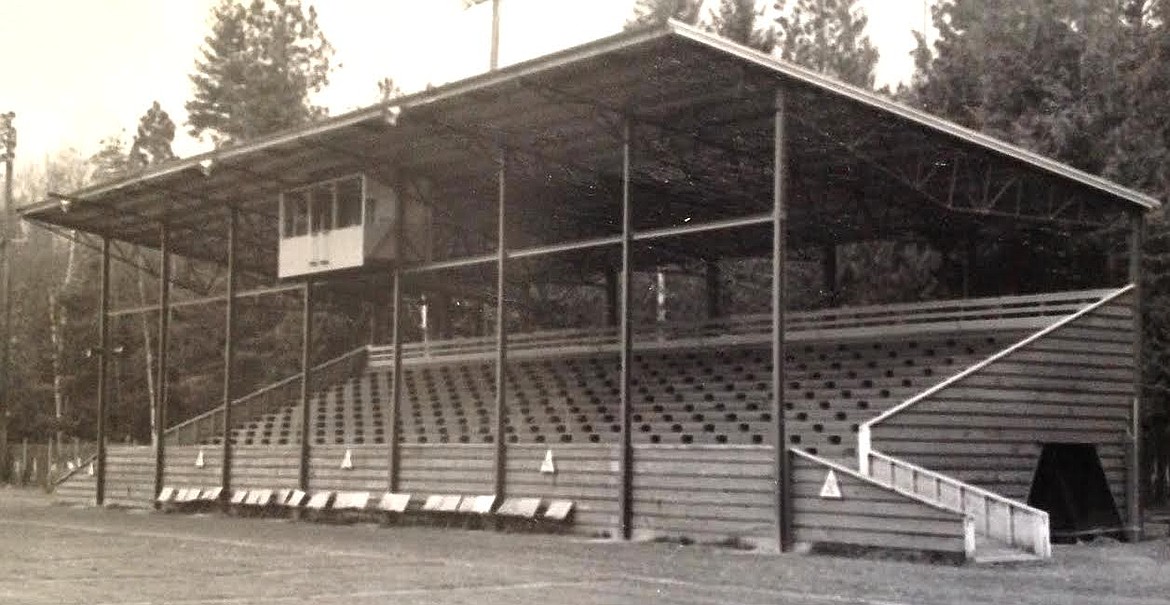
(1074, 385)
(264, 467)
(707, 493)
(586, 474)
(368, 473)
(868, 514)
(130, 475)
(446, 469)
(180, 469)
(79, 489)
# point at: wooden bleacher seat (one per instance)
(258, 498)
(524, 508)
(296, 499)
(238, 497)
(558, 511)
(165, 495)
(477, 505)
(210, 495)
(319, 501)
(351, 501)
(394, 503)
(441, 503)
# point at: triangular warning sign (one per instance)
(830, 489)
(90, 469)
(548, 467)
(347, 461)
(199, 459)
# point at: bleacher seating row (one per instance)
(709, 396)
(389, 506)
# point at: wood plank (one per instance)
(883, 539)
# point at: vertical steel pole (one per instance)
(1133, 495)
(626, 481)
(611, 297)
(829, 268)
(102, 357)
(229, 355)
(164, 326)
(8, 141)
(714, 289)
(306, 382)
(783, 470)
(501, 452)
(392, 446)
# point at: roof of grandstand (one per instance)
(702, 110)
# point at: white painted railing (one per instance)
(865, 432)
(1014, 523)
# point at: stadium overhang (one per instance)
(702, 108)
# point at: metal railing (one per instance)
(268, 399)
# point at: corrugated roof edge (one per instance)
(377, 111)
(925, 119)
(608, 44)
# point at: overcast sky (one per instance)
(77, 71)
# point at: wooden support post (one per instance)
(392, 446)
(164, 327)
(783, 471)
(611, 297)
(714, 288)
(1133, 496)
(829, 268)
(229, 356)
(626, 460)
(970, 257)
(306, 383)
(102, 387)
(501, 451)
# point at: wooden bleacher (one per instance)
(707, 383)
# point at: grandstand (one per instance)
(942, 424)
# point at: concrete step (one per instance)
(991, 551)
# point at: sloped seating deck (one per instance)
(708, 383)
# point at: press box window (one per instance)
(321, 204)
(349, 202)
(296, 213)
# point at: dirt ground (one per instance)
(58, 555)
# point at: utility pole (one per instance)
(8, 148)
(494, 58)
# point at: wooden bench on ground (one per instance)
(535, 514)
(187, 499)
(472, 511)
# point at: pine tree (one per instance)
(152, 141)
(650, 12)
(258, 68)
(828, 36)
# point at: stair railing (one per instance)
(1009, 521)
(268, 399)
(865, 431)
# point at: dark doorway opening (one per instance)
(1070, 486)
